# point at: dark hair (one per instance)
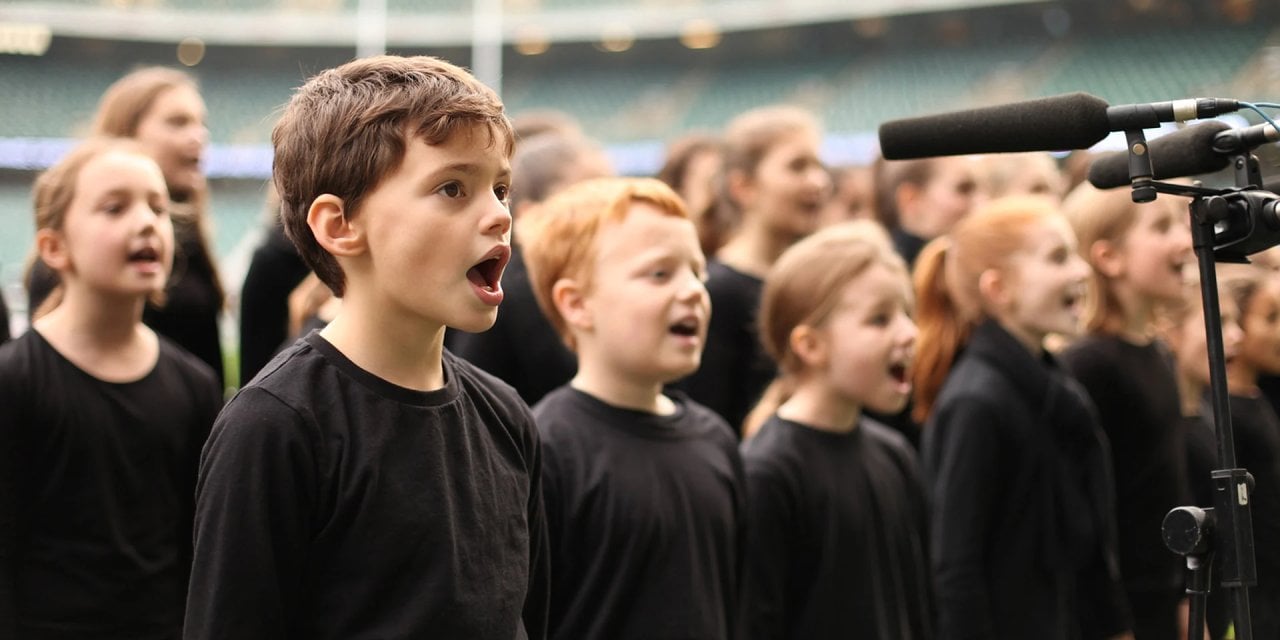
(347, 128)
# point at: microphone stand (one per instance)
(1224, 531)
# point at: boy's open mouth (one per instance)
(487, 274)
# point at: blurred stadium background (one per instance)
(635, 73)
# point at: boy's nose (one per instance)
(497, 220)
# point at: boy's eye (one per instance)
(503, 192)
(451, 190)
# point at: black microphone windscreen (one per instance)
(1071, 121)
(1187, 152)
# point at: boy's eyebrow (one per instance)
(469, 167)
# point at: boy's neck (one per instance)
(102, 335)
(814, 405)
(398, 349)
(752, 250)
(627, 394)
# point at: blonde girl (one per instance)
(104, 419)
(837, 522)
(1021, 520)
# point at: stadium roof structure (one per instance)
(438, 22)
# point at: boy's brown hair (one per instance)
(558, 236)
(346, 129)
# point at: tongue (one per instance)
(477, 278)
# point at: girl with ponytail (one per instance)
(1021, 508)
(836, 537)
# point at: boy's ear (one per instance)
(52, 249)
(571, 301)
(809, 344)
(1107, 258)
(333, 228)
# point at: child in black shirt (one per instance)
(643, 490)
(1256, 293)
(103, 418)
(1022, 526)
(367, 484)
(837, 540)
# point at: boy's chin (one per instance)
(477, 325)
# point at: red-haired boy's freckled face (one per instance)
(648, 304)
(174, 133)
(117, 229)
(438, 232)
(871, 341)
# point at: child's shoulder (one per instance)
(174, 360)
(486, 389)
(887, 439)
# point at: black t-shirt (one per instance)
(837, 540)
(521, 348)
(735, 369)
(1136, 393)
(1256, 430)
(644, 513)
(96, 493)
(334, 504)
(275, 271)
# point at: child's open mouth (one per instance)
(486, 276)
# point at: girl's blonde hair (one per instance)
(948, 301)
(804, 287)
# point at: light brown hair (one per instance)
(347, 128)
(804, 287)
(747, 139)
